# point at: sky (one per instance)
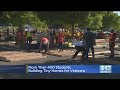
(117, 12)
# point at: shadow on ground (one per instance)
(8, 48)
(106, 57)
(3, 59)
(115, 59)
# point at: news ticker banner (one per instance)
(73, 69)
(42, 69)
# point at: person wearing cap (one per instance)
(89, 42)
(112, 39)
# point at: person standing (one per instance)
(0, 34)
(38, 38)
(60, 40)
(29, 40)
(16, 37)
(89, 42)
(44, 44)
(20, 37)
(66, 36)
(51, 38)
(112, 39)
(56, 36)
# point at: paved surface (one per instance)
(102, 54)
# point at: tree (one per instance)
(111, 20)
(96, 19)
(21, 18)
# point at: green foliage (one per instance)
(81, 19)
(21, 18)
(111, 20)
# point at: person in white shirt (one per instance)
(79, 48)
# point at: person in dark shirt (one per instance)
(89, 42)
(112, 39)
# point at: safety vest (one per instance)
(65, 33)
(112, 37)
(44, 41)
(60, 37)
(81, 35)
(78, 34)
(28, 34)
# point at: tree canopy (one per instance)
(42, 19)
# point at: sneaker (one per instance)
(86, 61)
(82, 58)
(93, 56)
(73, 58)
(111, 56)
(70, 59)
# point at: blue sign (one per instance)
(36, 68)
(69, 68)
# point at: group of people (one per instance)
(47, 40)
(85, 41)
(23, 38)
(53, 35)
(88, 41)
(84, 44)
(44, 40)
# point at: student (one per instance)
(60, 40)
(112, 42)
(44, 44)
(79, 48)
(29, 40)
(0, 34)
(89, 39)
(38, 38)
(20, 38)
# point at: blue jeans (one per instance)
(87, 51)
(38, 45)
(28, 43)
(61, 45)
(28, 46)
